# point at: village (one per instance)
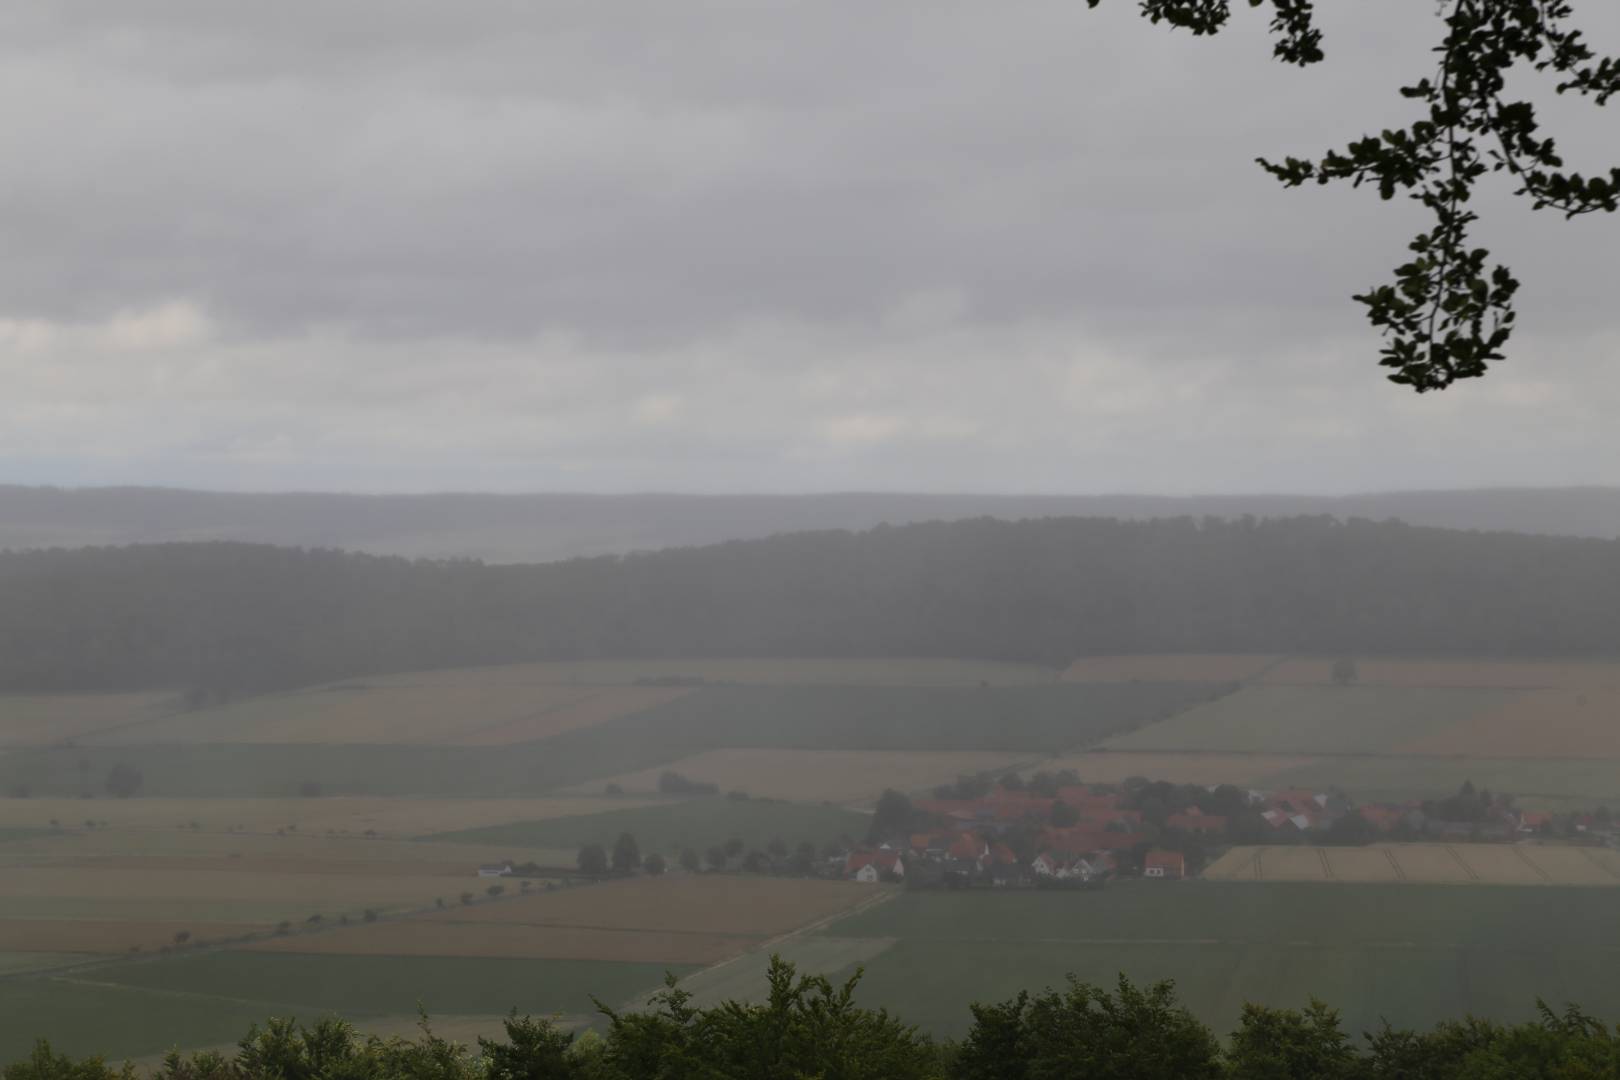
(1055, 832)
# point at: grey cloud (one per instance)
(736, 245)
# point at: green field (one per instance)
(1411, 953)
(138, 1008)
(1314, 720)
(1036, 718)
(696, 823)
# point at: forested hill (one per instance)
(238, 617)
(546, 527)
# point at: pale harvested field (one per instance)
(1480, 674)
(47, 719)
(1111, 767)
(430, 714)
(1292, 864)
(1537, 724)
(417, 937)
(351, 815)
(1360, 864)
(1575, 865)
(818, 775)
(106, 936)
(1169, 667)
(598, 707)
(696, 903)
(797, 671)
(1481, 864)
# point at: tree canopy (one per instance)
(1448, 313)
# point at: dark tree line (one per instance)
(229, 619)
(808, 1027)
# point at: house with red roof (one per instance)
(881, 864)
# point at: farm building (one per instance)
(1164, 864)
(495, 870)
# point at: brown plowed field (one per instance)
(107, 936)
(697, 903)
(497, 939)
(1190, 667)
(1536, 724)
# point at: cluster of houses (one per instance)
(978, 841)
(971, 844)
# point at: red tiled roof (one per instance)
(883, 860)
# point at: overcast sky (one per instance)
(400, 245)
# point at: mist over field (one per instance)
(899, 541)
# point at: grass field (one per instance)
(696, 823)
(350, 816)
(842, 776)
(676, 919)
(1483, 864)
(143, 1007)
(495, 713)
(1412, 953)
(1311, 720)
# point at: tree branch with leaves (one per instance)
(1448, 314)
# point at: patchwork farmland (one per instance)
(385, 796)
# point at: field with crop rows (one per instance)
(1479, 864)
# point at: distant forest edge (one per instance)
(227, 619)
(546, 527)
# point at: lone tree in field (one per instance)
(592, 859)
(626, 854)
(1447, 315)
